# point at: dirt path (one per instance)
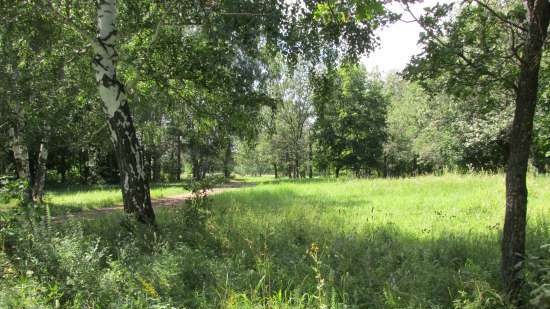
(164, 202)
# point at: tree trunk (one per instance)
(84, 165)
(196, 170)
(135, 187)
(203, 170)
(513, 241)
(385, 167)
(227, 161)
(195, 164)
(148, 165)
(40, 172)
(337, 172)
(178, 158)
(21, 152)
(310, 165)
(275, 169)
(157, 167)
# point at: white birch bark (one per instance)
(20, 151)
(135, 187)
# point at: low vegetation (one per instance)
(426, 242)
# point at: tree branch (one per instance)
(499, 16)
(460, 53)
(242, 14)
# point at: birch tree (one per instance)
(20, 150)
(134, 184)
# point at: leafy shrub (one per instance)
(205, 184)
(538, 277)
(11, 188)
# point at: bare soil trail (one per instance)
(164, 202)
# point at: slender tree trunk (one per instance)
(385, 167)
(227, 161)
(84, 165)
(40, 172)
(21, 152)
(310, 156)
(195, 164)
(157, 167)
(63, 173)
(135, 187)
(275, 169)
(513, 241)
(178, 158)
(175, 160)
(196, 170)
(148, 164)
(289, 170)
(203, 170)
(337, 172)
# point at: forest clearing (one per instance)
(327, 154)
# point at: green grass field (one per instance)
(426, 242)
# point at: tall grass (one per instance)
(425, 242)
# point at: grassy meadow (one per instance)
(425, 242)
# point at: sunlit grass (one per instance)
(404, 243)
(255, 179)
(84, 198)
(424, 206)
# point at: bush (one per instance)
(11, 188)
(538, 277)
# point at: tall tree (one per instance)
(492, 60)
(134, 184)
(513, 240)
(351, 127)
